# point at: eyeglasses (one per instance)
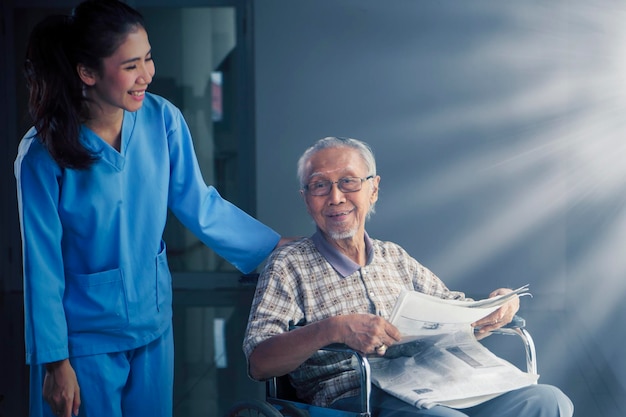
(345, 184)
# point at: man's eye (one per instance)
(320, 184)
(349, 181)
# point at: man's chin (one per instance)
(342, 235)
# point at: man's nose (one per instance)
(336, 195)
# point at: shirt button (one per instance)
(371, 294)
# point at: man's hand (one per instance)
(284, 352)
(369, 333)
(500, 317)
(60, 389)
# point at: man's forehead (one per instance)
(332, 172)
(335, 161)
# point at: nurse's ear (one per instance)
(87, 75)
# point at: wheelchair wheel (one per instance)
(253, 408)
(289, 410)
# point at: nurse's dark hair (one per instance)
(56, 103)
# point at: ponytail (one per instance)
(56, 103)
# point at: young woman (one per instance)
(96, 175)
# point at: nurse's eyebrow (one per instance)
(128, 61)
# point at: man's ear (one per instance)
(306, 204)
(375, 185)
(86, 74)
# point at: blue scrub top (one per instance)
(96, 277)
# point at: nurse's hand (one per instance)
(60, 388)
(284, 240)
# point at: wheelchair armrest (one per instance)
(517, 327)
(364, 372)
(363, 367)
(517, 322)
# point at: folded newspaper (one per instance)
(439, 360)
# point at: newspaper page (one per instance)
(417, 314)
(439, 360)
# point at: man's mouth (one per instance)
(339, 214)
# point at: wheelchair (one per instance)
(281, 400)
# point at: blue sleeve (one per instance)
(229, 231)
(38, 179)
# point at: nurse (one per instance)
(96, 175)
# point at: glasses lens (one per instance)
(346, 185)
(350, 184)
(319, 187)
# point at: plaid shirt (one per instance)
(309, 280)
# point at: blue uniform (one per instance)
(96, 278)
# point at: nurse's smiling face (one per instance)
(124, 76)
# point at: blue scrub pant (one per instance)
(134, 383)
(532, 401)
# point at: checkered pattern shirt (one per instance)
(308, 280)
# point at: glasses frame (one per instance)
(338, 182)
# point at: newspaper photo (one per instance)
(439, 360)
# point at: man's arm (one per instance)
(283, 353)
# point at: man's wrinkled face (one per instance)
(340, 215)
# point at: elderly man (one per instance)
(343, 285)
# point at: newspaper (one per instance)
(439, 360)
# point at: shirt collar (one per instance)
(99, 147)
(340, 262)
